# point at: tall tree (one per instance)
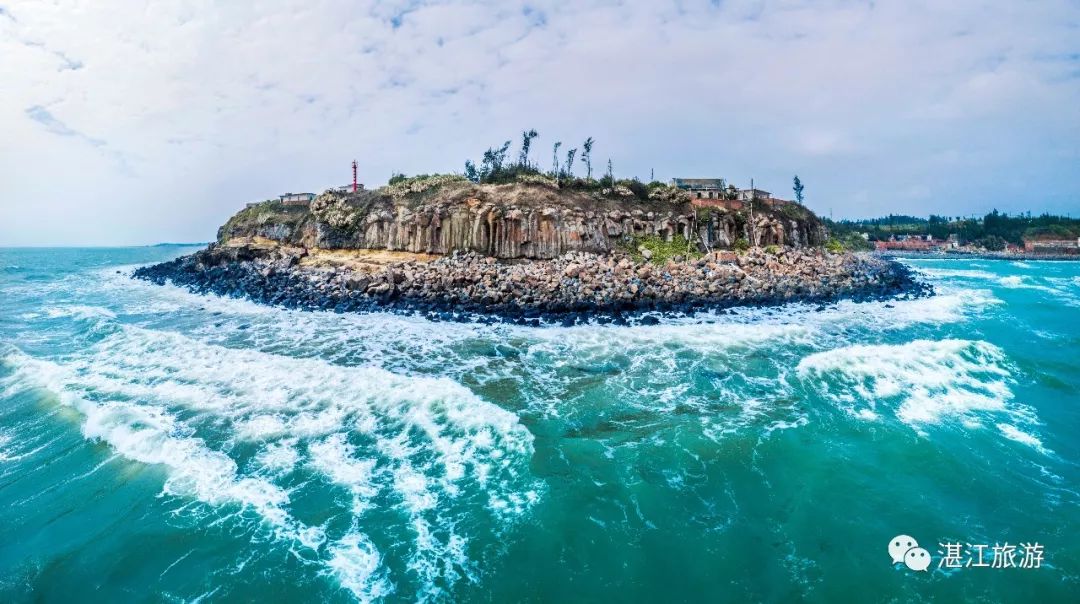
(610, 172)
(470, 171)
(555, 159)
(798, 190)
(526, 142)
(570, 162)
(586, 155)
(500, 156)
(487, 165)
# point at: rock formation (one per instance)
(521, 220)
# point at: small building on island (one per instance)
(703, 188)
(296, 199)
(752, 194)
(709, 192)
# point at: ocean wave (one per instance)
(922, 383)
(79, 311)
(1025, 282)
(427, 446)
(953, 273)
(1013, 433)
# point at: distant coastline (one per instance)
(953, 255)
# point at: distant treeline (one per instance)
(988, 229)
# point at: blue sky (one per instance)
(139, 122)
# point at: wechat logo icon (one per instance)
(905, 549)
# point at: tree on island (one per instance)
(526, 142)
(555, 159)
(586, 156)
(570, 162)
(798, 190)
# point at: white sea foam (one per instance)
(955, 273)
(1013, 433)
(6, 450)
(356, 565)
(1062, 294)
(336, 458)
(148, 393)
(79, 311)
(924, 381)
(279, 457)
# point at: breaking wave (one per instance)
(231, 426)
(921, 383)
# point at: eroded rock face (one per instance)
(544, 227)
(575, 286)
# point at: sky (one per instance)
(136, 122)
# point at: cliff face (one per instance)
(513, 221)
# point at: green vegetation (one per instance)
(413, 185)
(798, 188)
(772, 249)
(855, 243)
(991, 242)
(793, 211)
(741, 245)
(661, 250)
(271, 211)
(833, 245)
(1012, 229)
(495, 169)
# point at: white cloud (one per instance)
(135, 122)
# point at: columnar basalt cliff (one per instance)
(526, 251)
(521, 220)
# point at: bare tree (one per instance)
(555, 159)
(586, 155)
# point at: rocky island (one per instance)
(529, 249)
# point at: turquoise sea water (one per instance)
(156, 445)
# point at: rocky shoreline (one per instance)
(572, 288)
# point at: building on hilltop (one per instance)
(703, 188)
(709, 192)
(752, 194)
(717, 193)
(296, 199)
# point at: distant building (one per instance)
(708, 192)
(752, 194)
(907, 244)
(716, 193)
(296, 199)
(702, 188)
(1053, 246)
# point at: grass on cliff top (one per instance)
(250, 217)
(662, 250)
